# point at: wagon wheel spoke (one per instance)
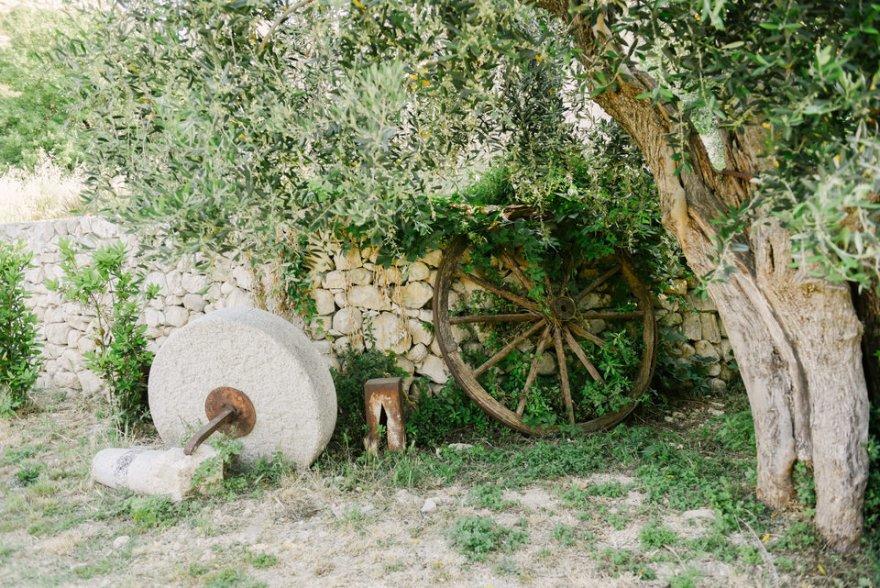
(613, 314)
(505, 351)
(533, 370)
(583, 333)
(579, 352)
(494, 318)
(596, 283)
(563, 374)
(507, 295)
(515, 268)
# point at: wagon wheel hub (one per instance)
(564, 309)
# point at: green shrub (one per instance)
(19, 350)
(444, 416)
(34, 107)
(116, 295)
(477, 537)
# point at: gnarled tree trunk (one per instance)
(796, 338)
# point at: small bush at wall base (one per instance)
(116, 296)
(444, 415)
(19, 349)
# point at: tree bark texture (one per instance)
(796, 338)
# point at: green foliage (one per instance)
(804, 485)
(19, 349)
(618, 561)
(489, 496)
(232, 578)
(152, 511)
(35, 89)
(358, 164)
(616, 361)
(263, 560)
(654, 536)
(115, 294)
(440, 417)
(28, 473)
(355, 368)
(732, 431)
(478, 537)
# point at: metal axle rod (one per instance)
(228, 413)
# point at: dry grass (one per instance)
(47, 192)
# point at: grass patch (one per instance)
(619, 561)
(654, 536)
(28, 473)
(231, 578)
(478, 537)
(489, 496)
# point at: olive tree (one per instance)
(255, 125)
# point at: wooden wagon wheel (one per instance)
(561, 322)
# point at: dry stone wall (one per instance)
(359, 304)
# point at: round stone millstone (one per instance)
(264, 356)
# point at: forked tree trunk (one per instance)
(796, 338)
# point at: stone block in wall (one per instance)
(239, 297)
(347, 320)
(717, 385)
(243, 277)
(176, 316)
(416, 294)
(710, 327)
(390, 333)
(419, 332)
(417, 271)
(678, 287)
(692, 326)
(347, 260)
(406, 365)
(192, 283)
(56, 333)
(434, 368)
(707, 350)
(320, 327)
(417, 353)
(324, 303)
(335, 280)
(194, 302)
(701, 303)
(360, 276)
(433, 258)
(385, 276)
(369, 297)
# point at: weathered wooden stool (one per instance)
(383, 403)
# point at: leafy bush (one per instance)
(34, 89)
(116, 296)
(19, 349)
(440, 417)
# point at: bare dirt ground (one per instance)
(323, 528)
